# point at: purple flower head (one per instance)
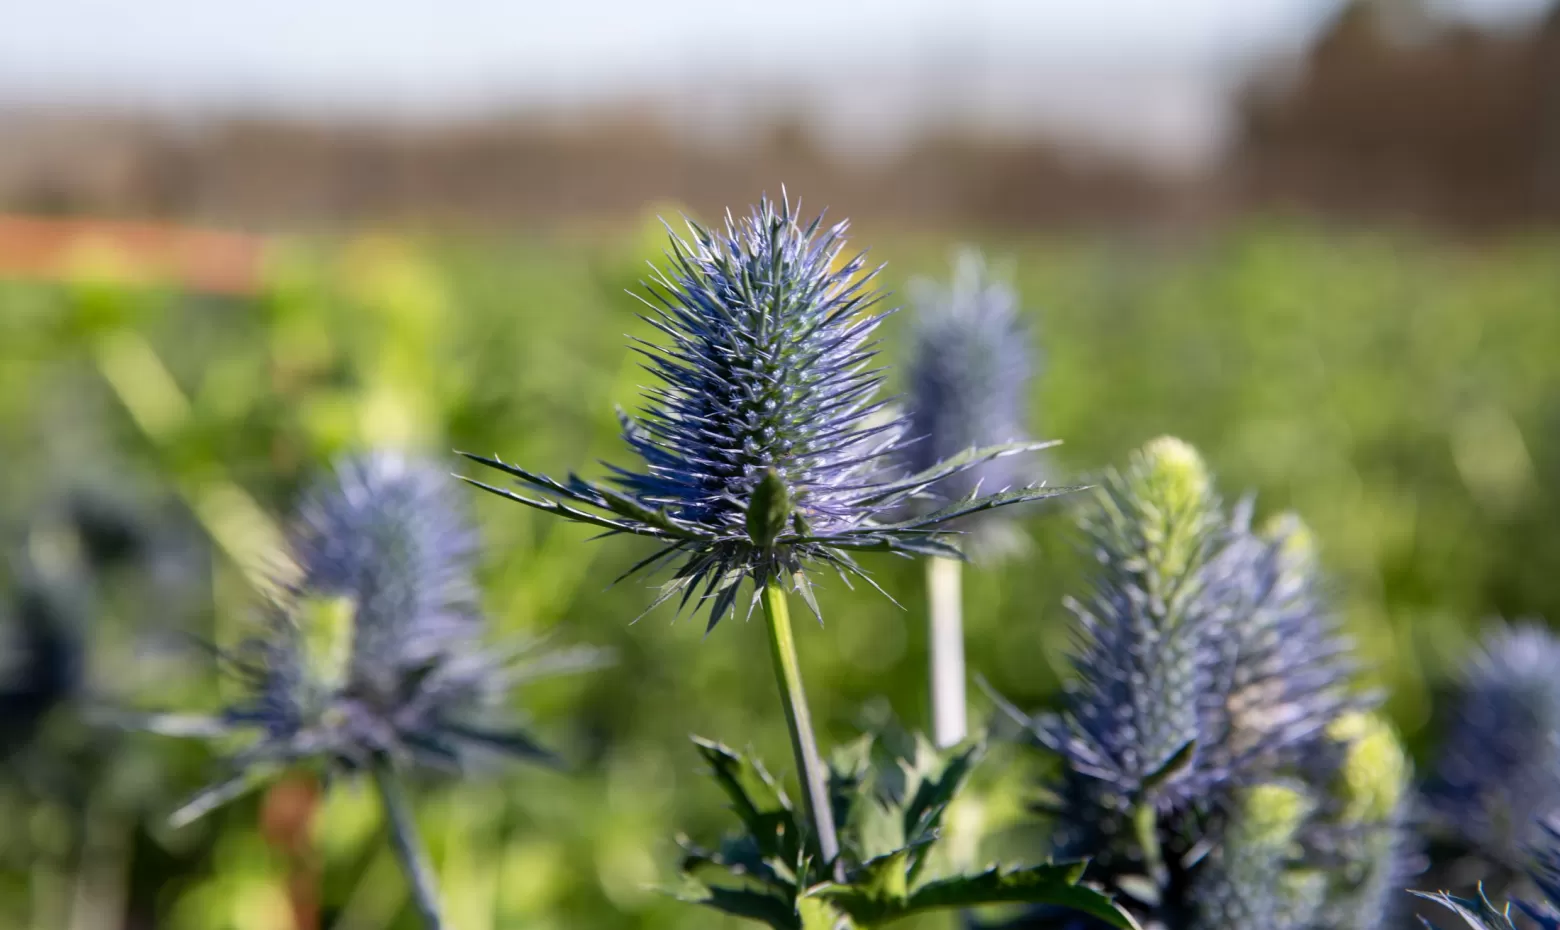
(376, 651)
(968, 377)
(765, 449)
(1497, 779)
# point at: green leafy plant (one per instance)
(889, 793)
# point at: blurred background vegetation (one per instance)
(1359, 320)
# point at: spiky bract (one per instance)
(1497, 778)
(765, 449)
(375, 653)
(1482, 914)
(967, 377)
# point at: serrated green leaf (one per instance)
(741, 902)
(819, 914)
(756, 798)
(1055, 884)
(932, 797)
(877, 894)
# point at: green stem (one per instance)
(946, 647)
(804, 746)
(408, 848)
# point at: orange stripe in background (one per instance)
(57, 249)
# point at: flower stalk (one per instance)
(944, 592)
(804, 745)
(408, 846)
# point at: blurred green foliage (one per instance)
(1402, 393)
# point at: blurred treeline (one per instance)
(1391, 113)
(1401, 393)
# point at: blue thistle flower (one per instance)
(1497, 778)
(1147, 658)
(968, 377)
(1286, 671)
(375, 654)
(388, 533)
(765, 451)
(1219, 769)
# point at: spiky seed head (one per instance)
(967, 376)
(1498, 772)
(767, 385)
(1246, 882)
(1287, 667)
(1146, 655)
(376, 651)
(387, 532)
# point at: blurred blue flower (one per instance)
(1496, 782)
(968, 377)
(376, 652)
(765, 450)
(1286, 669)
(1148, 658)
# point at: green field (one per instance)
(1400, 392)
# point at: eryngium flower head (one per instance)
(765, 449)
(375, 653)
(1286, 670)
(1146, 658)
(1498, 775)
(968, 377)
(387, 533)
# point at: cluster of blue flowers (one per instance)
(1219, 766)
(1220, 770)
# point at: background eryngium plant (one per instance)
(374, 658)
(1496, 781)
(1216, 768)
(765, 453)
(967, 376)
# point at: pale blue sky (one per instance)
(1127, 66)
